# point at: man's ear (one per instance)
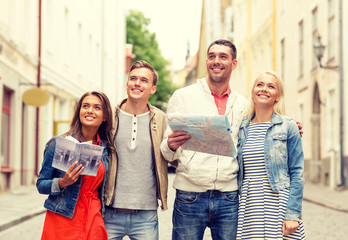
(153, 89)
(234, 64)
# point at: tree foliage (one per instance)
(145, 47)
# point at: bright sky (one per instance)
(175, 22)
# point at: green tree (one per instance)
(145, 47)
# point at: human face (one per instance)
(91, 112)
(140, 84)
(265, 91)
(220, 63)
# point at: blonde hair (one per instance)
(278, 107)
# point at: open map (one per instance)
(209, 133)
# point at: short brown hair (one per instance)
(227, 44)
(144, 64)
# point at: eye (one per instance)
(98, 107)
(85, 105)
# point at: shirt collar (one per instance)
(227, 93)
(98, 142)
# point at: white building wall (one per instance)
(82, 50)
(115, 66)
(18, 32)
(214, 28)
(253, 39)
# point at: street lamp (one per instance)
(319, 53)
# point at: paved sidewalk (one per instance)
(26, 202)
(20, 205)
(326, 197)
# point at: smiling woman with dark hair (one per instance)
(75, 202)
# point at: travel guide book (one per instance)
(69, 150)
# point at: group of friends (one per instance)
(257, 195)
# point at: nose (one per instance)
(264, 88)
(216, 60)
(90, 109)
(137, 82)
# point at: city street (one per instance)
(321, 223)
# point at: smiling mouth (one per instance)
(216, 69)
(263, 95)
(89, 117)
(137, 90)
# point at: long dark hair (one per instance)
(105, 129)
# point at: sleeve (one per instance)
(55, 189)
(47, 182)
(295, 167)
(175, 104)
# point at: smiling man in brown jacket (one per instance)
(137, 175)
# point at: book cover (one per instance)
(69, 150)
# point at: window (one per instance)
(66, 39)
(300, 49)
(270, 56)
(79, 50)
(282, 60)
(301, 114)
(5, 126)
(315, 35)
(331, 113)
(50, 29)
(331, 29)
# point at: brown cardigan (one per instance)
(158, 124)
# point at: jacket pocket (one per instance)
(279, 154)
(279, 141)
(280, 136)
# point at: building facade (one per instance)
(78, 47)
(254, 33)
(312, 92)
(280, 35)
(216, 23)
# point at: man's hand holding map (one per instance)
(209, 133)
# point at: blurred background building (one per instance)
(70, 47)
(66, 48)
(286, 36)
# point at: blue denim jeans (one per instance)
(193, 212)
(141, 225)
